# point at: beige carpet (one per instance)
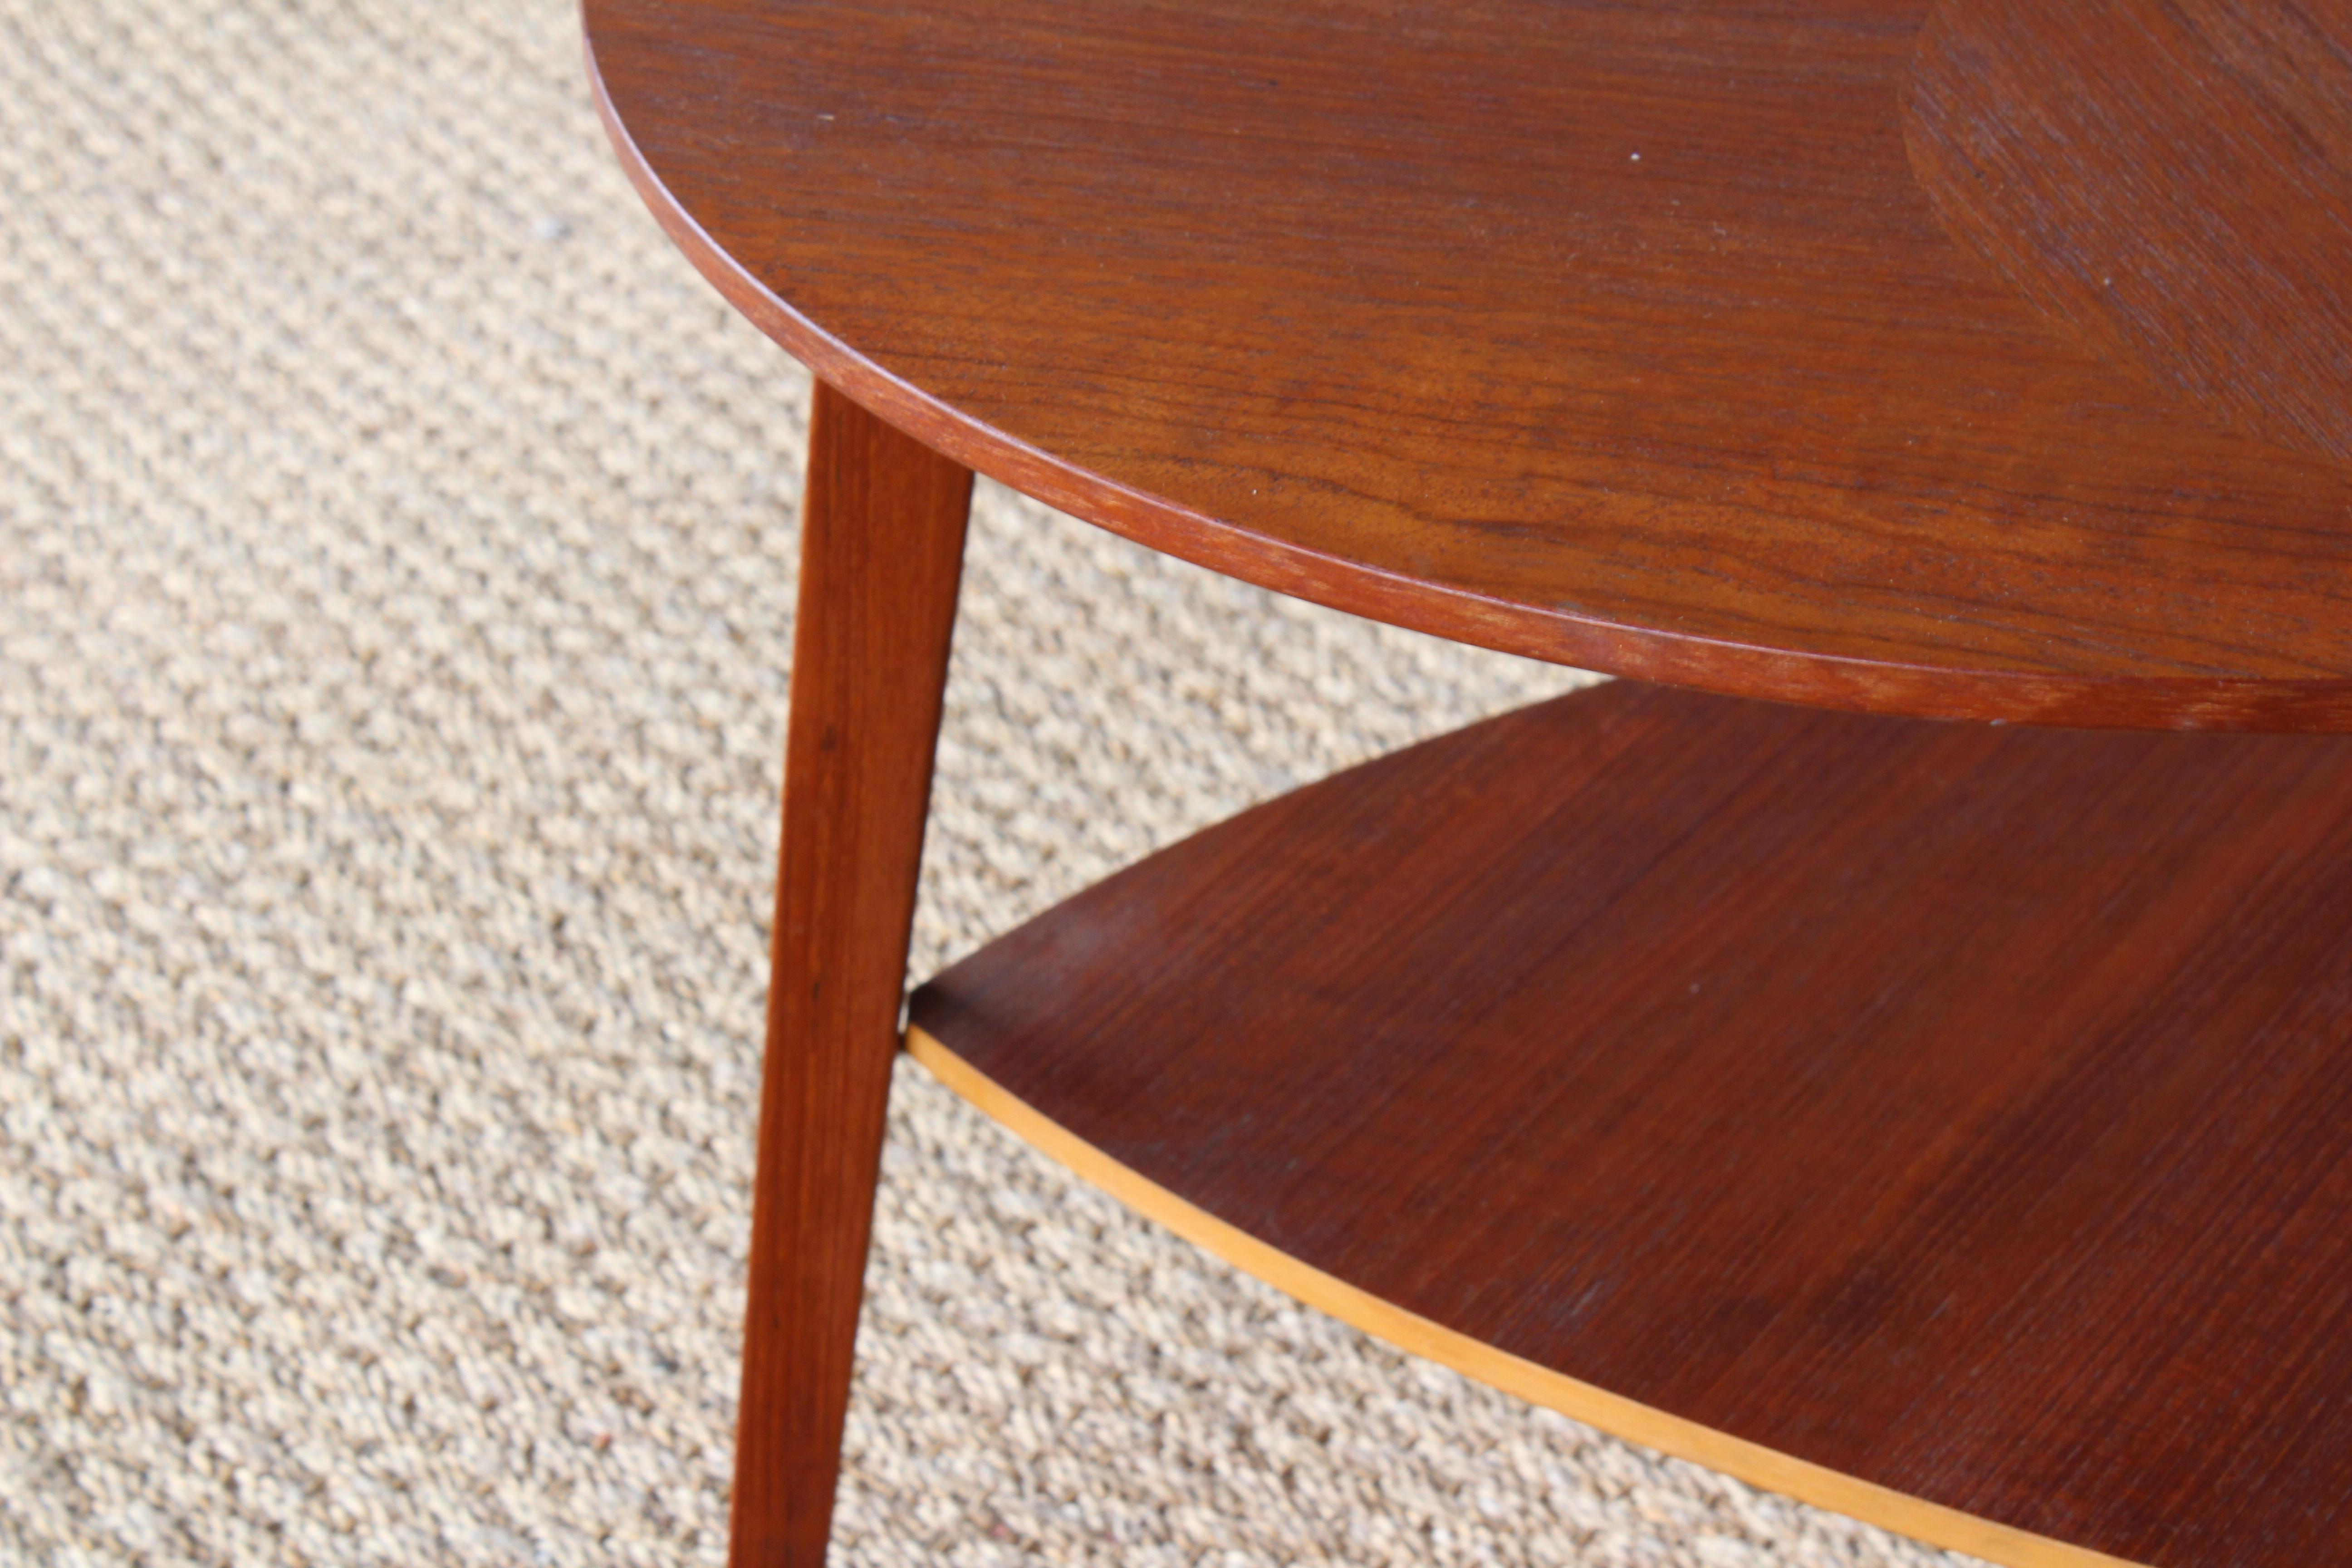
(396, 560)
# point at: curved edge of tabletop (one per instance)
(1750, 1462)
(1551, 635)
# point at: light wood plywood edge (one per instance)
(1750, 1462)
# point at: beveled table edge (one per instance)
(1753, 1463)
(1553, 636)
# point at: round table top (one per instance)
(1988, 358)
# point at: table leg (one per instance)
(881, 553)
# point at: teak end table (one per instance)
(1899, 1047)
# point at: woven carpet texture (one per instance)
(397, 571)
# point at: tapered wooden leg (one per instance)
(881, 551)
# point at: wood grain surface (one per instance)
(1986, 359)
(2193, 222)
(1644, 1424)
(1962, 1109)
(881, 552)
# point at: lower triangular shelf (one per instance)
(1946, 1123)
